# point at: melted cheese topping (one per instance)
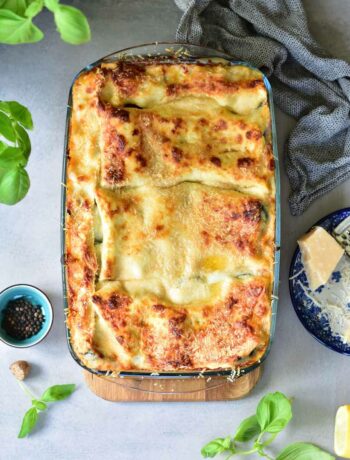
(182, 232)
(170, 216)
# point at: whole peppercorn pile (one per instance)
(21, 319)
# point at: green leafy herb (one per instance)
(23, 140)
(52, 394)
(15, 29)
(16, 24)
(247, 429)
(28, 423)
(34, 8)
(14, 179)
(11, 156)
(51, 5)
(6, 127)
(39, 405)
(57, 393)
(303, 451)
(14, 185)
(273, 414)
(72, 25)
(216, 446)
(17, 6)
(18, 112)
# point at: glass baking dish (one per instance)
(166, 52)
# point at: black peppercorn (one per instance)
(21, 319)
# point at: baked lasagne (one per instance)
(170, 216)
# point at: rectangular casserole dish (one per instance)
(179, 54)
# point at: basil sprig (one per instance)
(16, 25)
(52, 394)
(15, 148)
(273, 414)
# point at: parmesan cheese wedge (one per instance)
(321, 254)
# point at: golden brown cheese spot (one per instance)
(234, 330)
(242, 222)
(206, 237)
(221, 124)
(142, 160)
(159, 228)
(120, 142)
(176, 325)
(176, 154)
(214, 85)
(122, 114)
(216, 161)
(231, 302)
(88, 276)
(178, 124)
(254, 134)
(245, 162)
(115, 145)
(127, 76)
(164, 336)
(174, 89)
(252, 211)
(116, 174)
(107, 110)
(114, 308)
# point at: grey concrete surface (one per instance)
(85, 427)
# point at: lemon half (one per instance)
(342, 432)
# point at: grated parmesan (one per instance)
(333, 301)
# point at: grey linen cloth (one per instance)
(307, 84)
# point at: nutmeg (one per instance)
(20, 369)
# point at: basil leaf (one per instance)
(58, 392)
(29, 421)
(34, 8)
(12, 156)
(248, 428)
(17, 6)
(15, 29)
(14, 185)
(39, 404)
(51, 5)
(274, 412)
(17, 112)
(72, 24)
(304, 451)
(217, 446)
(23, 140)
(6, 127)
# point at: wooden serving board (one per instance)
(216, 389)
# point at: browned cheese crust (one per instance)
(170, 217)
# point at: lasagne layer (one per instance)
(170, 216)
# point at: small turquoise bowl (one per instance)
(36, 297)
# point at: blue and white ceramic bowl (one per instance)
(309, 306)
(36, 297)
